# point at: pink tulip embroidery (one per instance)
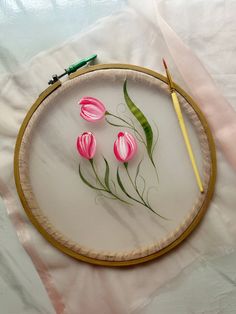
(92, 109)
(86, 145)
(125, 147)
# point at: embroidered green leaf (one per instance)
(106, 178)
(141, 119)
(86, 181)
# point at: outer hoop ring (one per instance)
(55, 243)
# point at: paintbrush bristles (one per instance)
(170, 82)
(164, 62)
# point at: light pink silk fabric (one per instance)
(25, 236)
(220, 114)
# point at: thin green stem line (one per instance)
(130, 126)
(96, 175)
(134, 186)
(104, 187)
(136, 189)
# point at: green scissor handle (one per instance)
(72, 68)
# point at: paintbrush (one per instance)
(183, 127)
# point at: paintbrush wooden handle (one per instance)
(186, 139)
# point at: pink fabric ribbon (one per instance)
(23, 233)
(220, 115)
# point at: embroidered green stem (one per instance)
(127, 125)
(105, 186)
(134, 185)
(123, 188)
(141, 201)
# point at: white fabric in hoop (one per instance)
(75, 218)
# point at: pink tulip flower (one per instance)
(86, 145)
(92, 109)
(125, 147)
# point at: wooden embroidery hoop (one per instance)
(94, 260)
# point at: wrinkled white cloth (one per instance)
(199, 276)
